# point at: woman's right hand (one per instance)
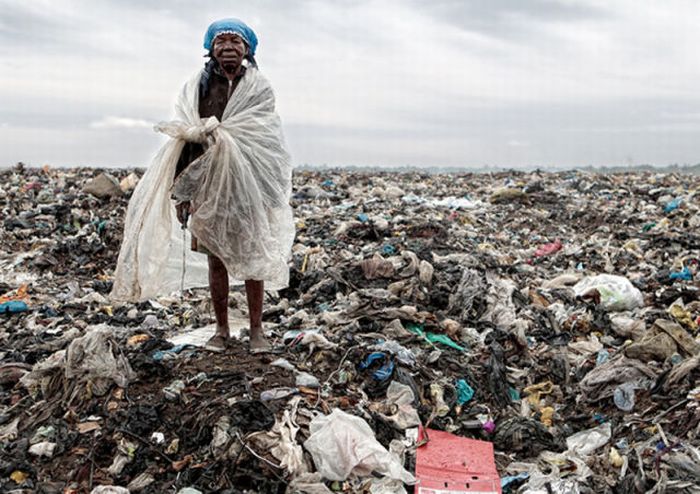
(184, 209)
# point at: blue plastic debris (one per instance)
(673, 205)
(602, 357)
(13, 307)
(388, 249)
(363, 217)
(600, 418)
(513, 479)
(684, 275)
(161, 354)
(384, 372)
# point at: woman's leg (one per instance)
(218, 286)
(255, 292)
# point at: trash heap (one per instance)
(552, 317)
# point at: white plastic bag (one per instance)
(586, 442)
(109, 489)
(343, 445)
(239, 188)
(616, 292)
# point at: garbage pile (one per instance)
(508, 332)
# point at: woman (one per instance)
(230, 174)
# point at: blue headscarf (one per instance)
(234, 26)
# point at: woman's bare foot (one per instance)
(258, 342)
(216, 343)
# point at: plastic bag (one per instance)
(401, 397)
(94, 359)
(623, 396)
(616, 292)
(343, 445)
(239, 189)
(586, 442)
(109, 489)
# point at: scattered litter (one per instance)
(554, 314)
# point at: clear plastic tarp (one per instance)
(239, 188)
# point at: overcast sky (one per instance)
(441, 82)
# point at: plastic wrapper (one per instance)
(343, 445)
(239, 190)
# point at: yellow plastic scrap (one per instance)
(615, 458)
(631, 245)
(107, 309)
(683, 316)
(19, 476)
(547, 414)
(19, 294)
(535, 392)
(137, 339)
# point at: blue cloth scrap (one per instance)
(233, 26)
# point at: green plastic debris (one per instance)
(514, 394)
(464, 392)
(445, 340)
(433, 338)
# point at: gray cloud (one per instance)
(509, 19)
(543, 82)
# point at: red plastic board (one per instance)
(450, 464)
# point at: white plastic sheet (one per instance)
(343, 445)
(239, 188)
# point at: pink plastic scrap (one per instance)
(449, 464)
(548, 249)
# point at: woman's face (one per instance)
(229, 50)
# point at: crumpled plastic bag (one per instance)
(281, 441)
(601, 381)
(398, 407)
(343, 445)
(93, 359)
(109, 489)
(308, 483)
(616, 292)
(386, 486)
(586, 442)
